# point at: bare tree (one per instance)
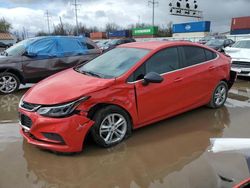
(112, 27)
(4, 26)
(138, 25)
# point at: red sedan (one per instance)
(126, 88)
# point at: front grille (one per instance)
(29, 106)
(25, 121)
(241, 64)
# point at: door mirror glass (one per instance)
(152, 77)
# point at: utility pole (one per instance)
(139, 19)
(47, 17)
(153, 2)
(75, 4)
(24, 33)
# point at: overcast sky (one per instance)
(30, 13)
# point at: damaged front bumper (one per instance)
(57, 134)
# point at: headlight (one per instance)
(60, 110)
(21, 102)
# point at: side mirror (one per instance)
(152, 77)
(27, 54)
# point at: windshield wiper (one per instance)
(91, 74)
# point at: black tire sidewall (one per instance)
(99, 117)
(15, 77)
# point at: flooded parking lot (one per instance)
(171, 153)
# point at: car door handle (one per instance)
(211, 68)
(178, 79)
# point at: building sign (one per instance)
(145, 31)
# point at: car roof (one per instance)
(154, 45)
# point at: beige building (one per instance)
(7, 38)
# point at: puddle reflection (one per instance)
(9, 106)
(149, 156)
(171, 153)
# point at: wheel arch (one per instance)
(227, 82)
(99, 106)
(15, 72)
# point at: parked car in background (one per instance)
(126, 88)
(219, 44)
(3, 45)
(115, 42)
(240, 54)
(204, 40)
(101, 44)
(34, 59)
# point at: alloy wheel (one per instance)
(220, 95)
(8, 84)
(113, 128)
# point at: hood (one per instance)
(9, 59)
(64, 87)
(238, 53)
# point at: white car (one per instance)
(240, 54)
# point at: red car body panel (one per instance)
(180, 91)
(243, 184)
(72, 129)
(60, 88)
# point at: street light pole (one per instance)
(47, 16)
(153, 2)
(75, 4)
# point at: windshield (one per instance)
(101, 43)
(113, 42)
(207, 38)
(19, 48)
(215, 42)
(242, 44)
(113, 63)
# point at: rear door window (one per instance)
(193, 55)
(210, 55)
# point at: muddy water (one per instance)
(171, 153)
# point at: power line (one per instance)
(75, 4)
(153, 2)
(48, 17)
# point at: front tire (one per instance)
(219, 95)
(112, 126)
(9, 83)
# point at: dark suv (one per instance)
(115, 42)
(34, 59)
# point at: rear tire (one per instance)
(9, 83)
(219, 95)
(112, 126)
